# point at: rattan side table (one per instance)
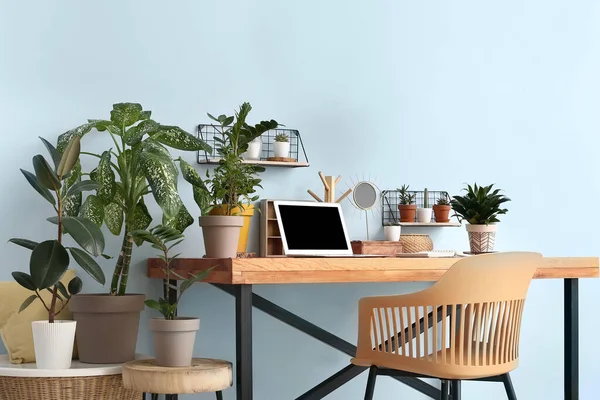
(204, 375)
(80, 382)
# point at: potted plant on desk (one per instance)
(480, 207)
(406, 206)
(174, 336)
(53, 339)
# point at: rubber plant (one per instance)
(138, 165)
(50, 259)
(233, 182)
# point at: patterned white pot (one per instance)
(53, 343)
(482, 237)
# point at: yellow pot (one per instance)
(247, 212)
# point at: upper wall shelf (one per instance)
(265, 153)
(431, 224)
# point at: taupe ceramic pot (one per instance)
(221, 234)
(174, 340)
(107, 326)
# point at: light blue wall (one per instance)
(426, 93)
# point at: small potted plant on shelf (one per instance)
(254, 149)
(53, 339)
(174, 336)
(424, 213)
(441, 209)
(392, 231)
(406, 206)
(480, 207)
(281, 146)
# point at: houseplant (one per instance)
(225, 198)
(480, 207)
(281, 145)
(50, 259)
(174, 336)
(441, 209)
(406, 206)
(137, 166)
(424, 213)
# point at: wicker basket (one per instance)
(416, 243)
(108, 387)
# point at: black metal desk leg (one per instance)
(571, 325)
(243, 338)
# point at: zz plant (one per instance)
(50, 259)
(480, 205)
(164, 238)
(139, 164)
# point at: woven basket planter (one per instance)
(109, 387)
(416, 243)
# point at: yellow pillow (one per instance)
(15, 327)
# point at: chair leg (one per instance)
(455, 389)
(510, 390)
(219, 395)
(445, 389)
(371, 383)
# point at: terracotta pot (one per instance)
(174, 340)
(221, 235)
(247, 212)
(481, 238)
(107, 326)
(441, 213)
(407, 212)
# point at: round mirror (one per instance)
(365, 195)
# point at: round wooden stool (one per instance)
(204, 375)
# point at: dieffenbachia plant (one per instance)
(139, 164)
(50, 259)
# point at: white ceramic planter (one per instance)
(281, 149)
(53, 343)
(392, 233)
(254, 149)
(482, 238)
(424, 214)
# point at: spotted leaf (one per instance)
(177, 138)
(93, 209)
(105, 176)
(65, 138)
(162, 177)
(113, 214)
(141, 219)
(125, 114)
(181, 221)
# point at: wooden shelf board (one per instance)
(432, 224)
(274, 237)
(265, 163)
(272, 219)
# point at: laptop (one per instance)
(310, 229)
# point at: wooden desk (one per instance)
(236, 277)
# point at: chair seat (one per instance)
(204, 375)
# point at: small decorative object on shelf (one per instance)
(416, 243)
(441, 209)
(480, 207)
(424, 213)
(254, 149)
(402, 204)
(281, 146)
(406, 204)
(330, 184)
(174, 336)
(392, 232)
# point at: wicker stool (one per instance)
(204, 375)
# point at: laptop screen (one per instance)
(312, 228)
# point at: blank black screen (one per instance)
(312, 228)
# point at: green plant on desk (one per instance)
(480, 205)
(165, 238)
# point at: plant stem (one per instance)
(126, 262)
(119, 266)
(52, 311)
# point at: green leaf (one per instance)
(181, 221)
(69, 157)
(62, 289)
(145, 115)
(105, 176)
(152, 304)
(83, 186)
(135, 134)
(194, 278)
(114, 217)
(38, 187)
(86, 234)
(125, 114)
(72, 203)
(146, 236)
(106, 256)
(93, 209)
(65, 138)
(52, 151)
(27, 302)
(75, 285)
(88, 264)
(28, 244)
(48, 263)
(177, 138)
(45, 174)
(163, 182)
(141, 219)
(24, 280)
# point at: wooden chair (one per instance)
(464, 327)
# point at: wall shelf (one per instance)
(264, 163)
(431, 224)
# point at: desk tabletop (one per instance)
(276, 270)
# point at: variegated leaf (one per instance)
(145, 115)
(162, 177)
(65, 138)
(93, 209)
(177, 138)
(135, 134)
(113, 214)
(181, 221)
(105, 176)
(71, 204)
(125, 114)
(141, 219)
(190, 174)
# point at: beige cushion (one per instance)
(15, 327)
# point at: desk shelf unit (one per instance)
(270, 237)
